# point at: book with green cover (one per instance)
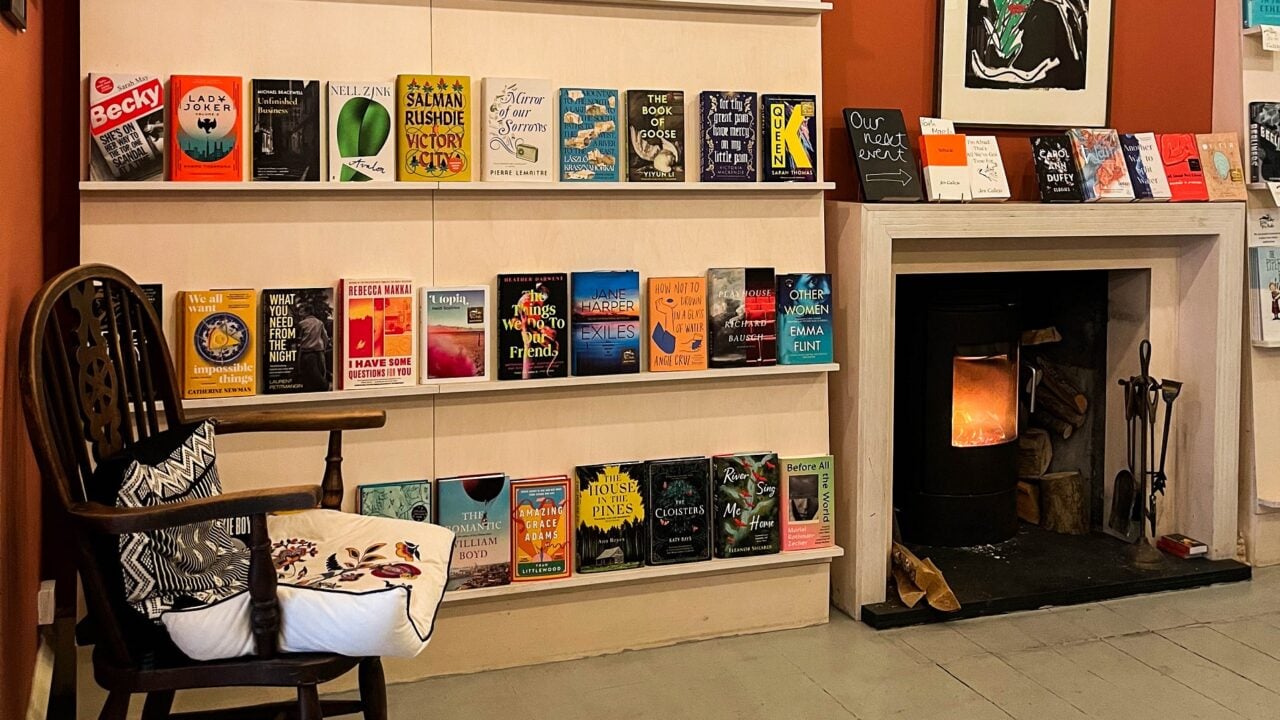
(409, 500)
(746, 491)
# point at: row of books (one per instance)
(618, 516)
(732, 317)
(1261, 12)
(743, 137)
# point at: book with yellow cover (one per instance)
(218, 347)
(541, 528)
(434, 127)
(677, 323)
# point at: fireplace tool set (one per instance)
(1133, 500)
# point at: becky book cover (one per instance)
(677, 497)
(218, 354)
(377, 344)
(677, 324)
(606, 322)
(747, 494)
(533, 330)
(611, 514)
(541, 528)
(476, 509)
(808, 488)
(434, 128)
(410, 500)
(205, 128)
(455, 338)
(362, 147)
(588, 135)
(297, 345)
(126, 124)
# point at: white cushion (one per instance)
(349, 584)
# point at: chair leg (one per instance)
(373, 689)
(158, 705)
(309, 703)
(116, 707)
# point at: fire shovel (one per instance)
(1169, 391)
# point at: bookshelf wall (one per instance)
(262, 236)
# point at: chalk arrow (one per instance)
(900, 176)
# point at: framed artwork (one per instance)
(15, 11)
(1025, 63)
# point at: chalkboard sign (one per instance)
(882, 152)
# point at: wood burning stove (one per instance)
(956, 413)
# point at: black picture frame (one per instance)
(15, 12)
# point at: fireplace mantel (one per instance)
(1191, 308)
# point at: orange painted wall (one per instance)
(882, 54)
(21, 271)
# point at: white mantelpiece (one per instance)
(1176, 278)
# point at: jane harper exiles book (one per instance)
(286, 130)
(610, 509)
(297, 346)
(217, 353)
(434, 128)
(533, 326)
(747, 493)
(588, 135)
(205, 128)
(655, 122)
(677, 324)
(126, 122)
(541, 528)
(455, 338)
(677, 496)
(728, 146)
(377, 343)
(362, 147)
(476, 509)
(742, 317)
(606, 322)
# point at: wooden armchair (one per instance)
(97, 377)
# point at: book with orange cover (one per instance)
(1223, 168)
(1182, 166)
(946, 167)
(541, 528)
(217, 352)
(377, 325)
(677, 323)
(204, 128)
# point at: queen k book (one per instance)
(205, 128)
(611, 514)
(218, 351)
(519, 142)
(804, 319)
(655, 129)
(475, 508)
(362, 144)
(541, 528)
(533, 326)
(677, 498)
(286, 130)
(742, 317)
(808, 489)
(588, 135)
(728, 143)
(409, 500)
(789, 127)
(377, 344)
(126, 123)
(746, 495)
(434, 128)
(677, 324)
(606, 322)
(455, 338)
(297, 344)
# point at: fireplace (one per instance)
(956, 432)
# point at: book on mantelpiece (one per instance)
(1223, 171)
(987, 179)
(741, 317)
(519, 139)
(945, 159)
(1100, 161)
(1139, 176)
(127, 126)
(1261, 12)
(455, 337)
(1264, 142)
(728, 144)
(1264, 293)
(677, 496)
(805, 331)
(882, 152)
(611, 517)
(204, 128)
(362, 141)
(477, 509)
(655, 136)
(407, 500)
(677, 324)
(589, 135)
(433, 140)
(218, 343)
(605, 321)
(377, 333)
(1056, 172)
(533, 326)
(286, 130)
(541, 528)
(746, 499)
(808, 491)
(1183, 167)
(297, 343)
(789, 138)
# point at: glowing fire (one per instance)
(984, 404)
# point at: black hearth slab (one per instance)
(1038, 568)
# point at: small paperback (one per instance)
(946, 168)
(987, 180)
(399, 500)
(455, 341)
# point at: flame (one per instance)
(984, 403)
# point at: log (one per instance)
(1064, 503)
(1060, 427)
(1051, 404)
(1035, 452)
(1043, 336)
(1056, 382)
(1029, 501)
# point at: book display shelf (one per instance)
(259, 235)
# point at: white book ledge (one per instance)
(167, 187)
(649, 573)
(797, 7)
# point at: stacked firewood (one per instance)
(1057, 501)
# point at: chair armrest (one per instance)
(119, 521)
(296, 421)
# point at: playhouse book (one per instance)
(605, 322)
(434, 128)
(588, 135)
(677, 323)
(742, 317)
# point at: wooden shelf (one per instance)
(652, 573)
(341, 397)
(165, 187)
(790, 7)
